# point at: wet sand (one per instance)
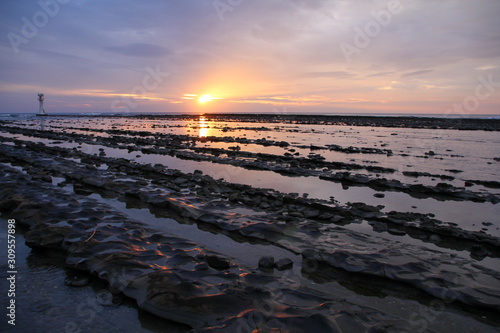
(184, 243)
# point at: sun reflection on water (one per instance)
(203, 126)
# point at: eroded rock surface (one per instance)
(159, 270)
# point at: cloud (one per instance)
(262, 49)
(331, 74)
(275, 32)
(381, 74)
(421, 72)
(139, 50)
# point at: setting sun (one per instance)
(205, 98)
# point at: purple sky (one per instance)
(307, 56)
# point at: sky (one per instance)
(262, 56)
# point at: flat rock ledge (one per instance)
(437, 273)
(173, 277)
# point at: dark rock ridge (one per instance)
(287, 165)
(286, 207)
(441, 191)
(159, 270)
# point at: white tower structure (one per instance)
(41, 112)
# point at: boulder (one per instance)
(266, 262)
(283, 264)
(218, 262)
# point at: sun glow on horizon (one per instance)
(205, 98)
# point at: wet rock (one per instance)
(265, 231)
(396, 232)
(478, 251)
(201, 266)
(173, 187)
(234, 196)
(360, 179)
(180, 181)
(379, 226)
(278, 203)
(325, 216)
(337, 218)
(10, 204)
(284, 264)
(76, 280)
(47, 236)
(379, 195)
(218, 262)
(266, 262)
(416, 174)
(264, 205)
(347, 323)
(246, 200)
(158, 167)
(310, 214)
(444, 186)
(46, 178)
(364, 207)
(487, 183)
(296, 214)
(434, 238)
(92, 181)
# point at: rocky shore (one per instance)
(179, 280)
